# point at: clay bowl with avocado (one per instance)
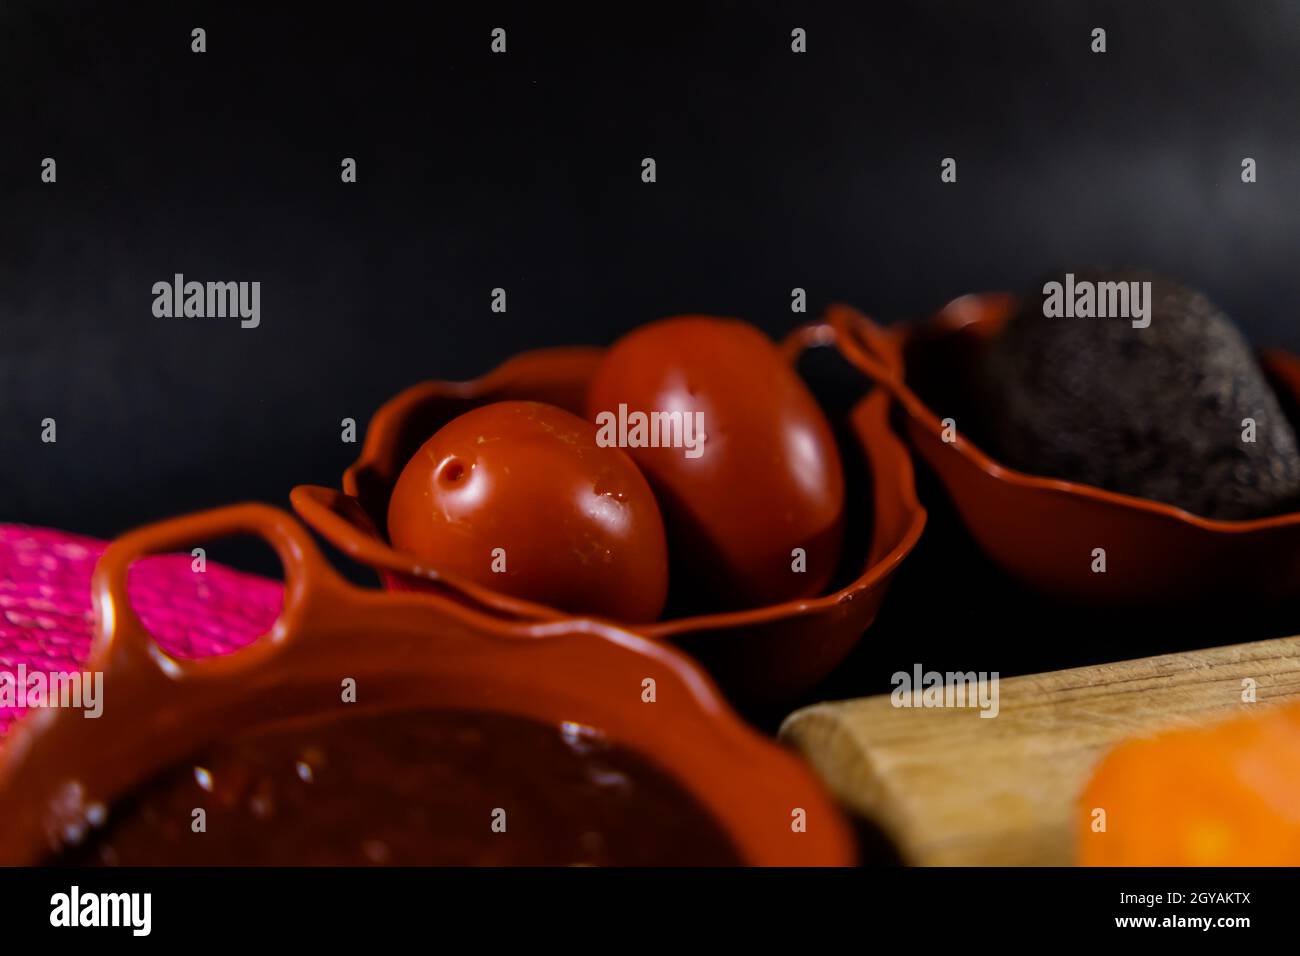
(1097, 461)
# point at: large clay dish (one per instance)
(1044, 530)
(763, 655)
(405, 651)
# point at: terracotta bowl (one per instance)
(759, 656)
(405, 651)
(1043, 530)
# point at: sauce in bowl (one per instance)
(421, 787)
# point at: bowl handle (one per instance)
(810, 335)
(869, 348)
(306, 573)
(866, 346)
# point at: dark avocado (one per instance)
(1157, 412)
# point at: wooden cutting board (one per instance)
(953, 788)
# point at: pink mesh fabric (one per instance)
(46, 619)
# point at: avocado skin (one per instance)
(1154, 412)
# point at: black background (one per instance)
(775, 170)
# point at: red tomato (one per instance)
(518, 497)
(767, 479)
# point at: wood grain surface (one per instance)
(953, 788)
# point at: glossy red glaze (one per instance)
(766, 479)
(762, 655)
(404, 651)
(1043, 530)
(517, 496)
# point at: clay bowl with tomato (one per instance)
(762, 542)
